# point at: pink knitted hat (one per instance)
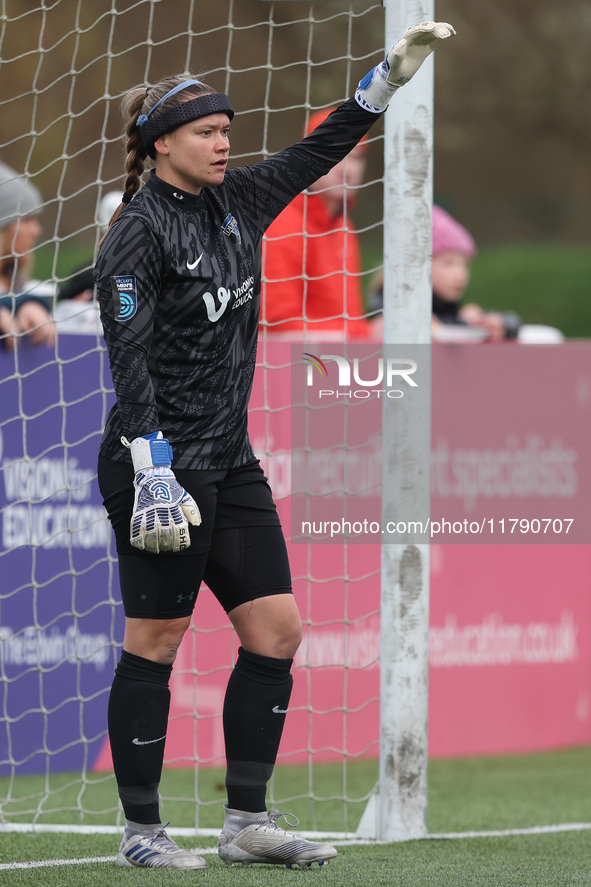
(450, 236)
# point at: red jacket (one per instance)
(312, 283)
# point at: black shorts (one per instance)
(238, 550)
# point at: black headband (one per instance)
(153, 127)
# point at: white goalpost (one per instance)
(404, 672)
(359, 713)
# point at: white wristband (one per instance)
(149, 452)
(141, 454)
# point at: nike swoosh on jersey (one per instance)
(279, 711)
(138, 741)
(192, 265)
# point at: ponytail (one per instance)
(135, 159)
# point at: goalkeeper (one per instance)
(178, 277)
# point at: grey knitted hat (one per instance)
(18, 197)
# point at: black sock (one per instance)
(138, 720)
(255, 706)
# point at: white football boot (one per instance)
(156, 850)
(250, 838)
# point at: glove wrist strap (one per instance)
(374, 93)
(150, 453)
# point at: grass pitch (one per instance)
(540, 805)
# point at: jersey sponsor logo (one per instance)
(192, 265)
(213, 311)
(244, 293)
(125, 291)
(230, 226)
(241, 295)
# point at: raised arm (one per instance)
(277, 180)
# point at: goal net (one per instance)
(64, 65)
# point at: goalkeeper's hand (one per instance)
(162, 510)
(402, 62)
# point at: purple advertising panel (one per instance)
(59, 622)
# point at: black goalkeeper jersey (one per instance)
(179, 279)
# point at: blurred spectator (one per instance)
(25, 304)
(77, 309)
(312, 258)
(453, 252)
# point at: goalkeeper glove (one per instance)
(402, 62)
(162, 509)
